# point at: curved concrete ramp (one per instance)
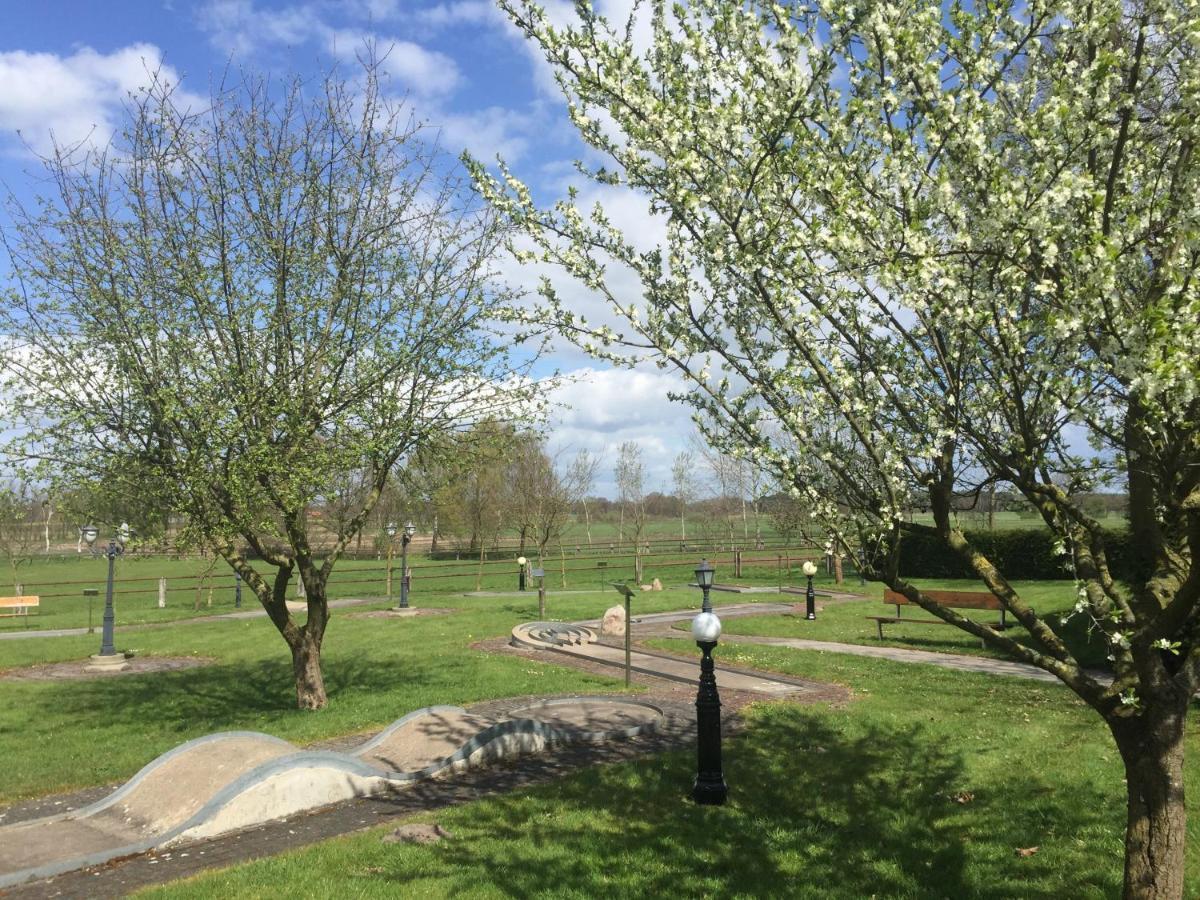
(552, 634)
(232, 780)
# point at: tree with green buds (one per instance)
(241, 306)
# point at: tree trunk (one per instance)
(306, 667)
(1155, 830)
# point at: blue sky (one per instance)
(66, 65)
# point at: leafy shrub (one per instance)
(1018, 554)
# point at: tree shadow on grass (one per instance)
(813, 811)
(218, 697)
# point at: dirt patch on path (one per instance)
(78, 669)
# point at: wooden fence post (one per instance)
(162, 593)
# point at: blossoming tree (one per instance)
(911, 251)
(241, 304)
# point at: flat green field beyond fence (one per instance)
(191, 587)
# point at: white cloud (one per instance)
(69, 99)
(486, 132)
(424, 73)
(244, 29)
(238, 26)
(461, 12)
(604, 407)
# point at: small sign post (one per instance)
(540, 575)
(90, 593)
(625, 591)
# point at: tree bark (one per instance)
(306, 667)
(1155, 830)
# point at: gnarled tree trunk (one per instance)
(306, 667)
(1155, 831)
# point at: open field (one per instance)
(925, 785)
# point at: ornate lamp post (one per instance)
(108, 656)
(390, 530)
(409, 530)
(704, 578)
(810, 598)
(709, 787)
(521, 561)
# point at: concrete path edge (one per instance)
(508, 737)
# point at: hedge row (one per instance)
(1018, 554)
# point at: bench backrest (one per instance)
(952, 599)
(7, 602)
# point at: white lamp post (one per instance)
(810, 598)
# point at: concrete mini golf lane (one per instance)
(233, 780)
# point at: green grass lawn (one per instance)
(847, 622)
(59, 735)
(925, 785)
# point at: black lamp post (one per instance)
(709, 788)
(409, 530)
(391, 533)
(810, 597)
(704, 578)
(521, 561)
(114, 549)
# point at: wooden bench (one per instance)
(18, 606)
(950, 599)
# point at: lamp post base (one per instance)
(710, 791)
(107, 662)
(709, 787)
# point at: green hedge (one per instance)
(1017, 553)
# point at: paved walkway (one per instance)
(259, 613)
(664, 666)
(899, 654)
(611, 653)
(659, 627)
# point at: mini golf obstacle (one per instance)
(233, 780)
(553, 634)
